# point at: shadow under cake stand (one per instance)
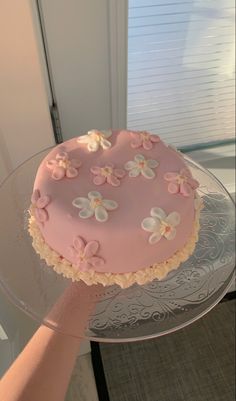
(136, 313)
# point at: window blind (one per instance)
(181, 69)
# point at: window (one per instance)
(181, 69)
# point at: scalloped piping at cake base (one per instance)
(124, 280)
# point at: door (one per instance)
(87, 62)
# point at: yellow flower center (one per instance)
(81, 257)
(144, 135)
(106, 171)
(96, 202)
(165, 228)
(181, 179)
(142, 164)
(97, 136)
(64, 163)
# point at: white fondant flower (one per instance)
(161, 225)
(94, 139)
(141, 166)
(94, 205)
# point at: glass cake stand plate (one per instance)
(116, 315)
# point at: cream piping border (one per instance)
(124, 280)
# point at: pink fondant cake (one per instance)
(114, 207)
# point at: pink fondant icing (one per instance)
(123, 242)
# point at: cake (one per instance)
(114, 207)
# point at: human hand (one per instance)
(71, 312)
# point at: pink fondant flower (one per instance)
(181, 182)
(107, 174)
(85, 254)
(39, 204)
(144, 139)
(62, 166)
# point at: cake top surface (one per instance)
(114, 201)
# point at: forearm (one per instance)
(42, 371)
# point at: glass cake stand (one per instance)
(116, 315)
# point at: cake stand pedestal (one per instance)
(116, 315)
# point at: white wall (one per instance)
(25, 129)
(25, 124)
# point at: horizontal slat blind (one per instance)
(181, 69)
